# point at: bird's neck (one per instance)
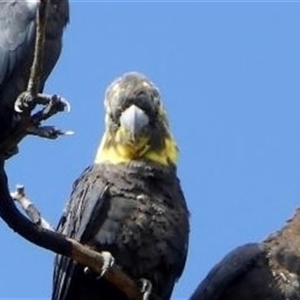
(116, 153)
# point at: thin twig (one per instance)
(29, 208)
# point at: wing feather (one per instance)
(233, 265)
(17, 30)
(86, 200)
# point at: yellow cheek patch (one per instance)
(119, 152)
(167, 155)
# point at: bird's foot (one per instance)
(52, 104)
(146, 288)
(108, 262)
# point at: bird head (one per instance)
(136, 123)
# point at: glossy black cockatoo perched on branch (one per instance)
(129, 202)
(17, 40)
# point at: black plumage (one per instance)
(17, 38)
(140, 218)
(262, 271)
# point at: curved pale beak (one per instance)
(134, 120)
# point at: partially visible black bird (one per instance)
(17, 39)
(129, 202)
(261, 271)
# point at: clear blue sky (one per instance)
(229, 74)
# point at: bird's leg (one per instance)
(28, 100)
(108, 262)
(146, 288)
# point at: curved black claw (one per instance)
(146, 288)
(24, 102)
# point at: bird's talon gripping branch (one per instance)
(146, 288)
(108, 262)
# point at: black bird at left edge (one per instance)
(17, 41)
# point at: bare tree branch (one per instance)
(80, 253)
